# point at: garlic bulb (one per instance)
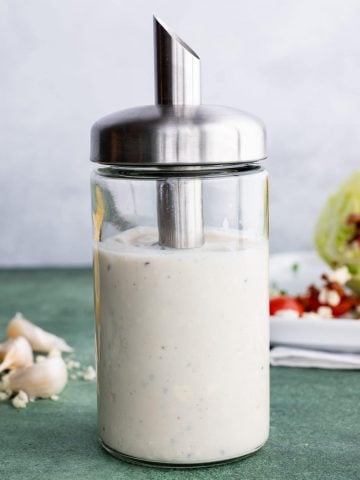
(15, 353)
(43, 379)
(40, 340)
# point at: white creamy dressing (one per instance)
(182, 347)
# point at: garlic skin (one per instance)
(89, 374)
(20, 400)
(4, 396)
(39, 339)
(15, 353)
(4, 388)
(42, 380)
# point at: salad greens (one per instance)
(337, 233)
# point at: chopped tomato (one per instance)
(285, 303)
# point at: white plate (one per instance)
(342, 335)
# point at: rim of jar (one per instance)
(197, 171)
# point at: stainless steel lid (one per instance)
(178, 130)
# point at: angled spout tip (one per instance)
(161, 25)
(177, 68)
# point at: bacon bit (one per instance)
(310, 299)
(354, 219)
(331, 285)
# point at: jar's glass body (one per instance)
(182, 334)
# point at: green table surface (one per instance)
(315, 414)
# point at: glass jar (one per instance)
(182, 333)
(180, 215)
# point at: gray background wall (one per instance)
(65, 63)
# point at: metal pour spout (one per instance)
(177, 69)
(177, 82)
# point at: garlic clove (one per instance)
(40, 340)
(43, 379)
(15, 353)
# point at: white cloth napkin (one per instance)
(299, 357)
